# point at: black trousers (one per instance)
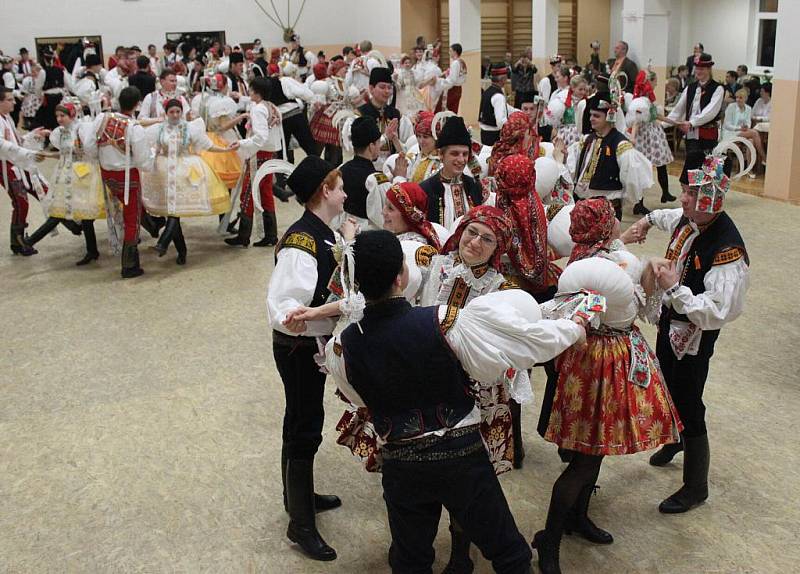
(303, 386)
(489, 138)
(546, 133)
(468, 488)
(297, 126)
(686, 377)
(548, 396)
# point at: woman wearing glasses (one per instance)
(468, 267)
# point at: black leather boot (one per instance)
(245, 229)
(167, 236)
(18, 244)
(49, 225)
(516, 431)
(547, 546)
(578, 520)
(617, 203)
(151, 224)
(270, 230)
(696, 458)
(130, 261)
(640, 209)
(666, 453)
(90, 239)
(232, 225)
(180, 244)
(460, 562)
(322, 502)
(279, 188)
(73, 226)
(302, 523)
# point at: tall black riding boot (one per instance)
(696, 458)
(460, 562)
(516, 430)
(18, 244)
(73, 226)
(167, 236)
(578, 520)
(90, 239)
(270, 230)
(130, 261)
(243, 236)
(663, 181)
(321, 501)
(302, 522)
(151, 224)
(547, 546)
(49, 225)
(617, 203)
(666, 453)
(640, 209)
(180, 244)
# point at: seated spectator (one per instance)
(738, 121)
(753, 85)
(763, 106)
(741, 71)
(672, 91)
(731, 83)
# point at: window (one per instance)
(766, 21)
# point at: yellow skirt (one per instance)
(227, 166)
(82, 198)
(198, 190)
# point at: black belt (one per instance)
(455, 443)
(285, 340)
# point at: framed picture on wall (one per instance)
(68, 48)
(200, 40)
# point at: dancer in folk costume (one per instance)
(181, 184)
(565, 112)
(647, 134)
(425, 160)
(221, 116)
(19, 174)
(75, 195)
(409, 98)
(122, 151)
(611, 398)
(154, 102)
(434, 453)
(517, 137)
(705, 284)
(454, 79)
(264, 139)
(337, 100)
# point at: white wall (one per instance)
(723, 27)
(141, 22)
(615, 28)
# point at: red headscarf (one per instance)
(591, 225)
(493, 218)
(67, 108)
(642, 87)
(274, 55)
(424, 124)
(336, 66)
(512, 137)
(412, 203)
(320, 71)
(517, 197)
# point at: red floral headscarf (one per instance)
(320, 71)
(424, 124)
(517, 197)
(512, 136)
(336, 66)
(493, 218)
(591, 225)
(642, 87)
(412, 203)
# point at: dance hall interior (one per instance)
(407, 286)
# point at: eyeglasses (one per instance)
(486, 240)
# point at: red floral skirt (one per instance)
(597, 410)
(323, 130)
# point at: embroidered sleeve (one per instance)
(424, 254)
(728, 255)
(380, 178)
(449, 319)
(624, 146)
(509, 283)
(302, 241)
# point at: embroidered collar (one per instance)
(450, 180)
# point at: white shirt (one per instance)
(152, 105)
(492, 334)
(726, 285)
(292, 285)
(260, 137)
(697, 116)
(456, 76)
(296, 93)
(358, 73)
(544, 89)
(11, 148)
(762, 110)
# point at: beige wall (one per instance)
(783, 155)
(471, 93)
(594, 23)
(417, 18)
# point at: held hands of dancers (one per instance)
(667, 274)
(349, 229)
(233, 146)
(636, 233)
